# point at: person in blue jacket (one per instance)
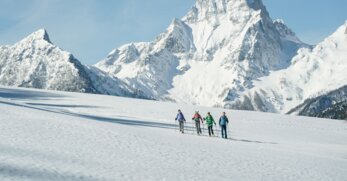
(180, 118)
(223, 122)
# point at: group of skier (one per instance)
(223, 122)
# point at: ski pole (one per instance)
(196, 127)
(216, 130)
(228, 130)
(220, 130)
(176, 126)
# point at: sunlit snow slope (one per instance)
(48, 135)
(312, 73)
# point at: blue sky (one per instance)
(90, 29)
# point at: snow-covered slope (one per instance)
(36, 62)
(48, 135)
(209, 56)
(312, 73)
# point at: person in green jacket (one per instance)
(209, 122)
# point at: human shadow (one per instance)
(131, 122)
(252, 141)
(128, 122)
(217, 134)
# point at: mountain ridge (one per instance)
(313, 73)
(220, 54)
(222, 35)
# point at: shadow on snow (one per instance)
(20, 173)
(9, 93)
(37, 95)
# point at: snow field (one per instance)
(47, 135)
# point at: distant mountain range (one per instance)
(223, 53)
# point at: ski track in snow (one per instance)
(47, 135)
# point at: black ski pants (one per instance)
(224, 131)
(210, 130)
(198, 128)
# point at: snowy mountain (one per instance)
(208, 57)
(36, 62)
(222, 53)
(311, 74)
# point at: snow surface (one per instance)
(49, 135)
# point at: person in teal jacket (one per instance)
(209, 122)
(223, 122)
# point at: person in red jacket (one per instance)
(197, 118)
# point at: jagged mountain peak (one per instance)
(36, 62)
(40, 34)
(222, 4)
(233, 9)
